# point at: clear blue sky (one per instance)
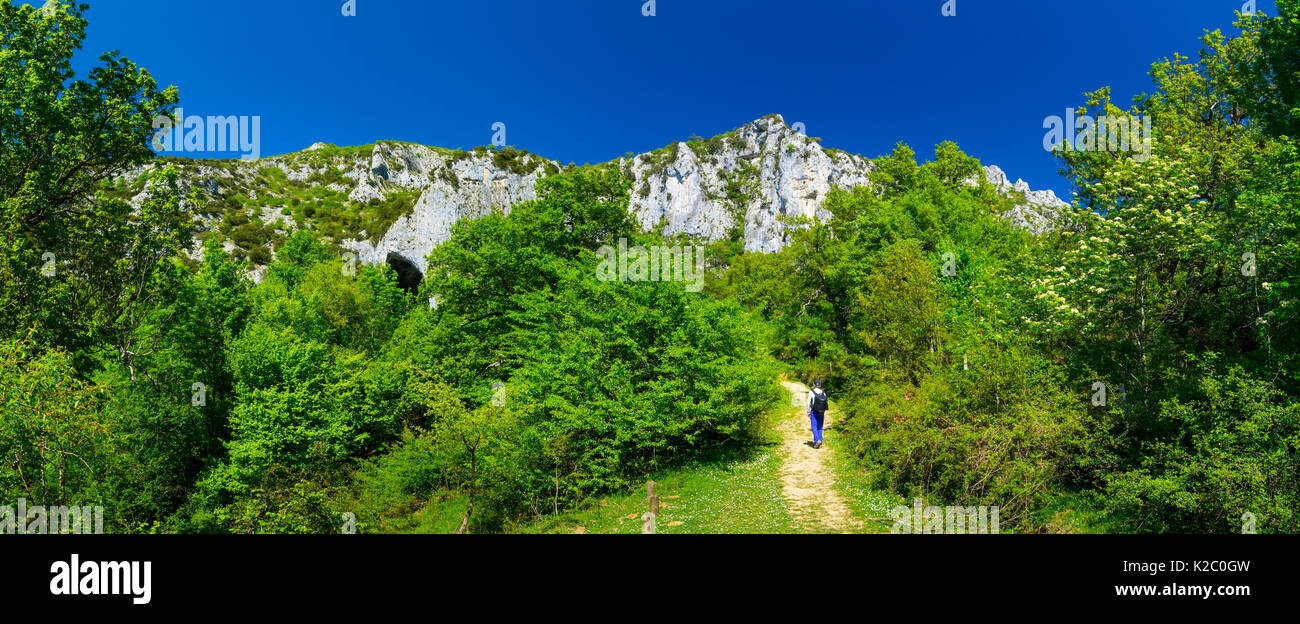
(587, 80)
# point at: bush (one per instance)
(1234, 453)
(260, 256)
(1001, 433)
(249, 236)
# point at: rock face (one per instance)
(1040, 209)
(450, 188)
(749, 178)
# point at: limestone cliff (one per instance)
(396, 201)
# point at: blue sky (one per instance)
(588, 80)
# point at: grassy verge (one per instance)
(443, 514)
(867, 503)
(852, 479)
(736, 492)
(1077, 512)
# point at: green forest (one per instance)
(1134, 370)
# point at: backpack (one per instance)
(820, 401)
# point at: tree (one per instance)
(1271, 90)
(54, 447)
(904, 309)
(464, 438)
(1174, 279)
(60, 139)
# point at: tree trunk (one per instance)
(464, 522)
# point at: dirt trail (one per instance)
(806, 478)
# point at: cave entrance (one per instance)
(408, 275)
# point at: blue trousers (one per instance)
(817, 418)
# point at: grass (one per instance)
(739, 494)
(1077, 512)
(736, 493)
(853, 481)
(739, 491)
(441, 515)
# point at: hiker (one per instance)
(817, 403)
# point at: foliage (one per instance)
(63, 138)
(519, 387)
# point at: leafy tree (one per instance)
(1235, 454)
(62, 138)
(54, 444)
(1270, 91)
(904, 309)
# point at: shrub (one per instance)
(1234, 451)
(1001, 433)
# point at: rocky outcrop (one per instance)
(749, 181)
(748, 178)
(452, 187)
(1038, 211)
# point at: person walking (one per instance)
(817, 404)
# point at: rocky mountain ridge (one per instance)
(394, 202)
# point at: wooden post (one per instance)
(648, 518)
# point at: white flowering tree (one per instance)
(1162, 259)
